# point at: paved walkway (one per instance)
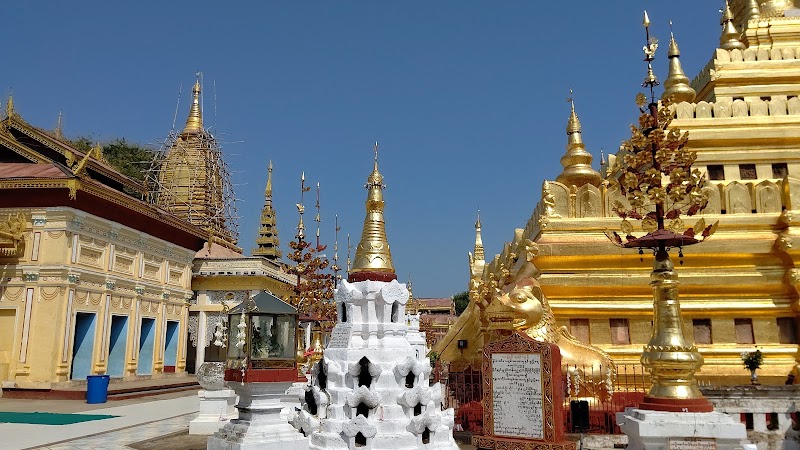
(138, 420)
(159, 422)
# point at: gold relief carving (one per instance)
(13, 294)
(49, 293)
(126, 302)
(82, 298)
(116, 301)
(95, 298)
(784, 241)
(55, 234)
(145, 306)
(90, 256)
(175, 277)
(123, 264)
(12, 231)
(150, 271)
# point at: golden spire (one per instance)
(194, 123)
(59, 132)
(753, 11)
(317, 218)
(577, 162)
(268, 244)
(411, 305)
(676, 86)
(651, 45)
(730, 35)
(301, 209)
(268, 190)
(478, 250)
(373, 259)
(10, 106)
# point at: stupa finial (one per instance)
(729, 39)
(676, 86)
(194, 123)
(59, 131)
(577, 162)
(373, 260)
(10, 106)
(478, 250)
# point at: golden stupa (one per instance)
(739, 289)
(190, 179)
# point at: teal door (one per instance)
(146, 340)
(171, 346)
(117, 343)
(83, 345)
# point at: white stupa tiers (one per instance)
(371, 390)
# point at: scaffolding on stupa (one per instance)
(188, 177)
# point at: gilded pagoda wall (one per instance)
(745, 272)
(76, 267)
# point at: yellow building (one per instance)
(93, 280)
(739, 289)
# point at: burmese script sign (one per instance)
(340, 336)
(517, 395)
(692, 444)
(522, 395)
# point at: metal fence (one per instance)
(592, 395)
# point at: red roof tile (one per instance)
(28, 170)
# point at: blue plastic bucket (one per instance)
(97, 388)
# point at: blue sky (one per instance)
(466, 98)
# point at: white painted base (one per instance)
(216, 409)
(291, 399)
(653, 430)
(259, 425)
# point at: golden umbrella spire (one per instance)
(373, 259)
(730, 35)
(577, 162)
(10, 106)
(676, 86)
(478, 249)
(268, 190)
(194, 123)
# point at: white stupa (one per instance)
(371, 391)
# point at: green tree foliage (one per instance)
(129, 158)
(461, 301)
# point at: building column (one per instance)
(760, 422)
(201, 339)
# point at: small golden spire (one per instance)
(10, 106)
(753, 11)
(373, 259)
(59, 132)
(317, 218)
(730, 35)
(194, 123)
(651, 45)
(349, 248)
(577, 162)
(411, 305)
(301, 209)
(268, 190)
(676, 86)
(267, 242)
(478, 250)
(573, 124)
